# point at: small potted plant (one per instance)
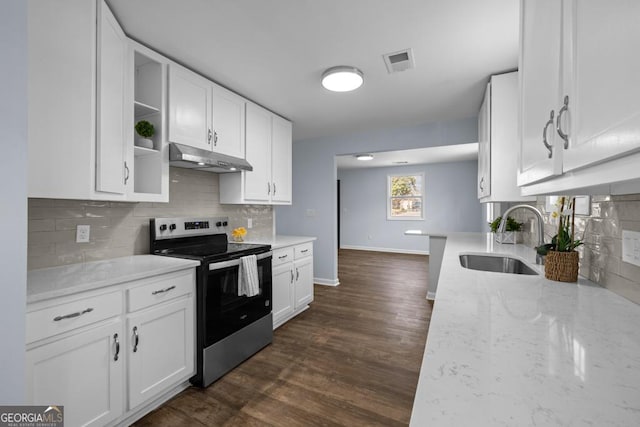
(510, 234)
(561, 263)
(146, 131)
(238, 234)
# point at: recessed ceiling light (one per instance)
(364, 157)
(200, 164)
(342, 79)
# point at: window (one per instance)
(405, 197)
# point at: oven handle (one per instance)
(236, 262)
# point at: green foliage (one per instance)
(145, 129)
(404, 186)
(563, 241)
(512, 224)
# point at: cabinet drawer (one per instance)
(304, 250)
(65, 317)
(282, 256)
(161, 289)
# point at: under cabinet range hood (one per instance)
(183, 156)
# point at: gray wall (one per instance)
(450, 204)
(313, 211)
(13, 194)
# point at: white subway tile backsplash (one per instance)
(601, 255)
(122, 228)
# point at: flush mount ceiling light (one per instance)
(342, 79)
(364, 157)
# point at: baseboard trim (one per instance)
(326, 282)
(390, 250)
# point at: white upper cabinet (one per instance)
(540, 156)
(110, 135)
(268, 150)
(603, 80)
(228, 122)
(190, 108)
(282, 134)
(257, 186)
(80, 99)
(205, 115)
(579, 73)
(498, 141)
(484, 145)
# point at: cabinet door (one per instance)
(484, 146)
(81, 373)
(257, 184)
(161, 348)
(228, 122)
(189, 108)
(282, 293)
(303, 281)
(540, 42)
(604, 68)
(110, 134)
(281, 160)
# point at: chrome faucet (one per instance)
(503, 224)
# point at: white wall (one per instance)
(13, 196)
(450, 204)
(314, 208)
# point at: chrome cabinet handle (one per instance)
(283, 256)
(209, 136)
(274, 188)
(544, 134)
(160, 291)
(304, 251)
(481, 186)
(215, 138)
(136, 339)
(564, 136)
(268, 188)
(117, 342)
(72, 315)
(291, 271)
(126, 177)
(297, 274)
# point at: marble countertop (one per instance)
(514, 350)
(47, 283)
(282, 241)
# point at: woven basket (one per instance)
(561, 266)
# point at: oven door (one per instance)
(226, 312)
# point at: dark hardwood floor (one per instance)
(352, 359)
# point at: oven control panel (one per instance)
(171, 228)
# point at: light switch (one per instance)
(631, 247)
(82, 233)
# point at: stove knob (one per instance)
(224, 224)
(163, 227)
(219, 224)
(172, 227)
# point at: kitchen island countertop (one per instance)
(515, 350)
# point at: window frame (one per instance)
(390, 217)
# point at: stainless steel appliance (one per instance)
(230, 327)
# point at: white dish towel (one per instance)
(248, 276)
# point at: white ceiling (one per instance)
(274, 52)
(419, 156)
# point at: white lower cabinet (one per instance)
(292, 281)
(80, 355)
(83, 372)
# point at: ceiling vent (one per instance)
(399, 61)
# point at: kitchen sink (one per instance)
(498, 264)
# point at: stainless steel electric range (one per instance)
(230, 327)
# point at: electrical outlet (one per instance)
(631, 247)
(250, 223)
(82, 233)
